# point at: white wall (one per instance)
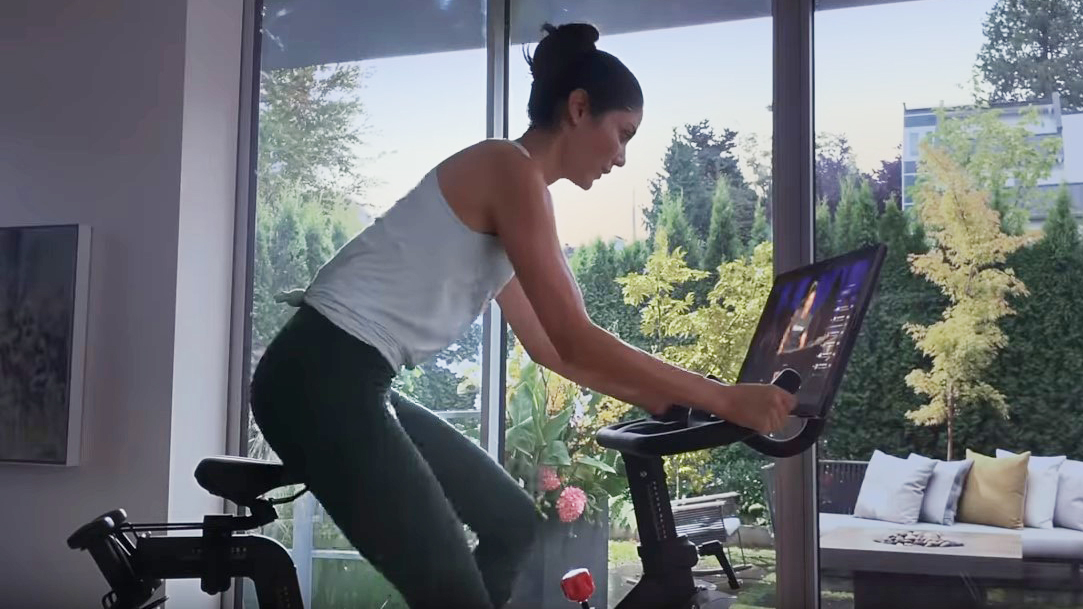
(96, 127)
(208, 175)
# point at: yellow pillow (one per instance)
(995, 492)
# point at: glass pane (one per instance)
(348, 123)
(952, 132)
(698, 171)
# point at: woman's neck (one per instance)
(546, 150)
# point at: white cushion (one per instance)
(1057, 543)
(1069, 511)
(1043, 478)
(830, 522)
(893, 488)
(944, 489)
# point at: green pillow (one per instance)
(995, 492)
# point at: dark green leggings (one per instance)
(399, 486)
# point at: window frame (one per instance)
(244, 230)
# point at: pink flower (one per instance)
(571, 503)
(548, 479)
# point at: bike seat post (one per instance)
(650, 497)
(217, 530)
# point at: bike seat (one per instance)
(242, 480)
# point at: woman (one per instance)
(400, 482)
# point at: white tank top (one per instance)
(411, 283)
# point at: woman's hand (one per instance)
(763, 408)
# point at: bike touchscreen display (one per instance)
(810, 322)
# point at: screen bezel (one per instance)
(876, 254)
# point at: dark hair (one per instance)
(565, 60)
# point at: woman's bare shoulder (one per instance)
(490, 167)
(487, 155)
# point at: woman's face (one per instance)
(596, 144)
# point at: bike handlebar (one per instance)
(681, 430)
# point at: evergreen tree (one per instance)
(697, 158)
(1061, 229)
(723, 244)
(834, 167)
(1032, 50)
(856, 216)
(887, 181)
(679, 232)
(309, 127)
(918, 239)
(1044, 339)
(825, 233)
(597, 267)
(893, 229)
(293, 239)
(761, 230)
(872, 401)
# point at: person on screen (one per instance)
(796, 336)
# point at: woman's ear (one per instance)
(578, 106)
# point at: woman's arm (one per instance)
(522, 215)
(524, 322)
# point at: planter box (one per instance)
(561, 547)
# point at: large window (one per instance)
(350, 118)
(964, 153)
(688, 217)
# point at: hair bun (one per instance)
(562, 47)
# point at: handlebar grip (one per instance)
(94, 531)
(788, 379)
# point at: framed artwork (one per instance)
(44, 279)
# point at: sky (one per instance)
(869, 63)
